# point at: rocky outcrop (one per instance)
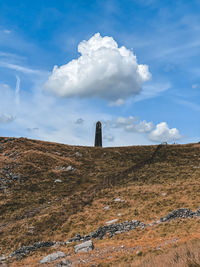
(111, 230)
(23, 251)
(84, 247)
(53, 257)
(180, 213)
(118, 228)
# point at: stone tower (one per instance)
(98, 135)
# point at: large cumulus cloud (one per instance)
(162, 133)
(103, 70)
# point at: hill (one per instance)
(52, 192)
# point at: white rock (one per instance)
(163, 194)
(69, 168)
(2, 258)
(84, 247)
(53, 257)
(106, 208)
(119, 200)
(57, 181)
(112, 221)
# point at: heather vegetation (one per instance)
(52, 192)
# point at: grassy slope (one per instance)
(153, 180)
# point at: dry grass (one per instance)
(186, 255)
(151, 180)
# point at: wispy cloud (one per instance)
(6, 118)
(17, 90)
(25, 70)
(189, 104)
(152, 90)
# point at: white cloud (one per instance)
(25, 70)
(6, 118)
(4, 87)
(141, 127)
(162, 133)
(109, 138)
(7, 31)
(103, 70)
(130, 124)
(151, 91)
(17, 90)
(119, 102)
(194, 86)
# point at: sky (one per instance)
(132, 64)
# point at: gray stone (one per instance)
(23, 251)
(84, 247)
(53, 257)
(65, 263)
(179, 213)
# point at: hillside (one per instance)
(52, 192)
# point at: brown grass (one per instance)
(151, 180)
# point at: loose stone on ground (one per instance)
(53, 257)
(84, 247)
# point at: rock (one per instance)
(58, 181)
(119, 200)
(77, 154)
(179, 213)
(116, 228)
(198, 212)
(163, 194)
(53, 257)
(66, 263)
(112, 221)
(31, 229)
(23, 251)
(106, 208)
(84, 247)
(118, 232)
(2, 258)
(69, 168)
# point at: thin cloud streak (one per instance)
(17, 90)
(19, 68)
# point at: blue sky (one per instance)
(161, 103)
